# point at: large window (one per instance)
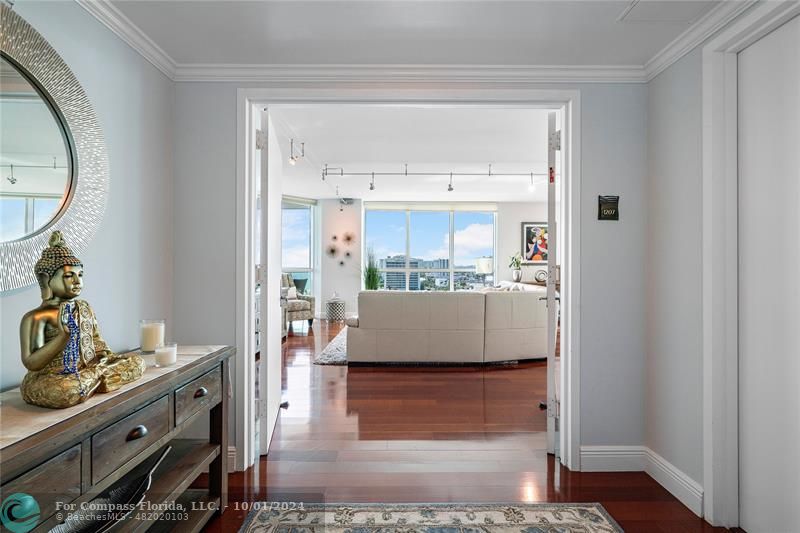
(432, 250)
(298, 242)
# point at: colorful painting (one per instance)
(534, 242)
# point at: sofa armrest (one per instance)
(307, 298)
(352, 322)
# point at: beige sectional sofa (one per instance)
(447, 327)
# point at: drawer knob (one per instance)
(136, 433)
(199, 393)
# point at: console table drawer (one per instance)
(57, 480)
(119, 442)
(196, 395)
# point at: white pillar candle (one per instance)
(166, 355)
(152, 335)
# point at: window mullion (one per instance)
(451, 246)
(408, 250)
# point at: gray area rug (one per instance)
(335, 353)
(277, 517)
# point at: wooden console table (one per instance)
(74, 455)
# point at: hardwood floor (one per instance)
(405, 434)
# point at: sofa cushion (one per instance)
(457, 311)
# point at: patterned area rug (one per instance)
(275, 517)
(335, 353)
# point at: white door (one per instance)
(553, 179)
(769, 282)
(270, 365)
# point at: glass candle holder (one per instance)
(151, 335)
(166, 355)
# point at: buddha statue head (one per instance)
(59, 272)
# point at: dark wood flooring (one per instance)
(405, 434)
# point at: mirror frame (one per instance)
(85, 204)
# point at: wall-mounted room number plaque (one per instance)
(608, 208)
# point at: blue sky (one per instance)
(474, 235)
(296, 234)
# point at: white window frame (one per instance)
(451, 209)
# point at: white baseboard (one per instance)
(643, 459)
(231, 458)
(612, 458)
(687, 490)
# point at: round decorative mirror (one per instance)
(35, 159)
(53, 166)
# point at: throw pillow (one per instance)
(292, 294)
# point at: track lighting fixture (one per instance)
(11, 179)
(293, 157)
(339, 171)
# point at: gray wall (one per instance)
(613, 162)
(674, 368)
(612, 265)
(129, 262)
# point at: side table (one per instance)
(335, 310)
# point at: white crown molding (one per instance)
(643, 459)
(125, 29)
(410, 73)
(696, 34)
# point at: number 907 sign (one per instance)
(608, 208)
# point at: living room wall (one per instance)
(129, 262)
(510, 216)
(344, 279)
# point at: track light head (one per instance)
(372, 186)
(450, 187)
(293, 156)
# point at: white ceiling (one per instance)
(383, 139)
(354, 32)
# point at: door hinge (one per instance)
(261, 140)
(552, 409)
(555, 140)
(554, 274)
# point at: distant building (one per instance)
(396, 281)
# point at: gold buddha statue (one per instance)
(67, 359)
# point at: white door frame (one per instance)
(569, 100)
(720, 277)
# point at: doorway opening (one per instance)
(261, 111)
